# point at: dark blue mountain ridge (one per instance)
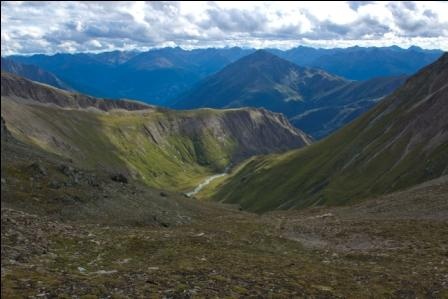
(314, 100)
(159, 75)
(151, 76)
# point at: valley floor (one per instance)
(395, 246)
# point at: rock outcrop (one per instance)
(255, 131)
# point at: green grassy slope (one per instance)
(118, 142)
(172, 150)
(401, 142)
(178, 162)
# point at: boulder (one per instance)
(118, 177)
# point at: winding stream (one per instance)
(206, 182)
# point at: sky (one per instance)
(29, 27)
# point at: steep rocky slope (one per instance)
(164, 148)
(32, 72)
(401, 142)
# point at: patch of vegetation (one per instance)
(121, 142)
(364, 159)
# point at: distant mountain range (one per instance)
(359, 63)
(160, 75)
(315, 101)
(32, 72)
(152, 76)
(399, 143)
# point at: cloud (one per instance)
(418, 21)
(356, 4)
(49, 27)
(363, 28)
(234, 20)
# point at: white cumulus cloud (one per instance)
(71, 26)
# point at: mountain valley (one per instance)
(164, 148)
(201, 150)
(96, 237)
(306, 92)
